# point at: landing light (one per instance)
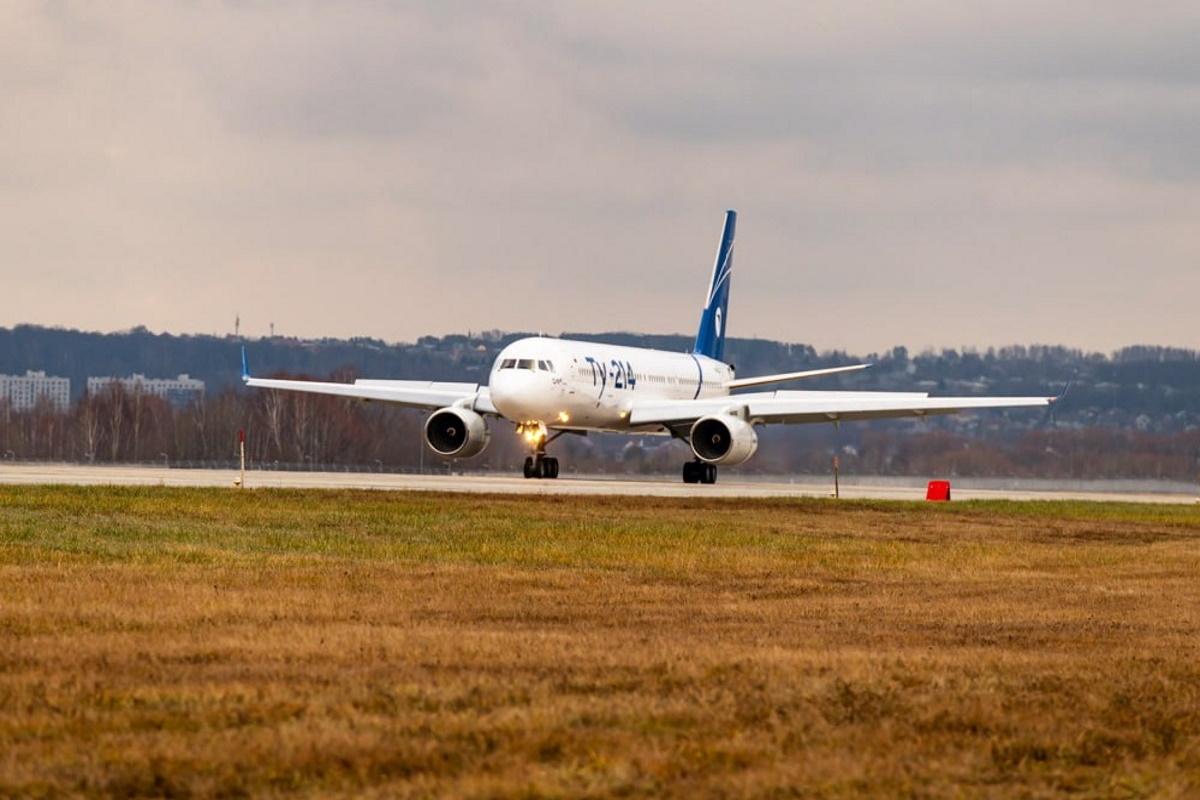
(564, 416)
(532, 434)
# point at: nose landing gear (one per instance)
(538, 465)
(699, 472)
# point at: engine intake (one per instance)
(458, 432)
(722, 439)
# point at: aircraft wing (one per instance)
(414, 394)
(791, 407)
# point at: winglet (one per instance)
(245, 368)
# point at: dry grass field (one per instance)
(214, 642)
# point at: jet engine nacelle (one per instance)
(723, 439)
(457, 432)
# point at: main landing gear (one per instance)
(541, 466)
(699, 472)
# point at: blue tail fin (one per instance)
(710, 339)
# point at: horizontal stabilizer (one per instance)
(437, 386)
(791, 376)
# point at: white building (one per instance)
(179, 390)
(24, 391)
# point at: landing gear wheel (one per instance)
(540, 467)
(699, 472)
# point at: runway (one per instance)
(658, 486)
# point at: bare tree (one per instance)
(137, 405)
(301, 407)
(273, 412)
(89, 427)
(115, 395)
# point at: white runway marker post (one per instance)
(241, 482)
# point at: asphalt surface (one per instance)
(727, 486)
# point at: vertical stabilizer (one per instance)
(710, 339)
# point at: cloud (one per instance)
(918, 173)
(1021, 88)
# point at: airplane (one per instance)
(550, 387)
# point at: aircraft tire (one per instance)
(550, 467)
(531, 468)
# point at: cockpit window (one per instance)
(527, 363)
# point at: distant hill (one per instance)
(1149, 389)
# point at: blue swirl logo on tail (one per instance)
(710, 338)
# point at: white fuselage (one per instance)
(567, 384)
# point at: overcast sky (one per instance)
(909, 173)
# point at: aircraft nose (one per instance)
(515, 393)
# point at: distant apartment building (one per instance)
(179, 391)
(24, 392)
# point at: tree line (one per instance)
(1151, 389)
(295, 430)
